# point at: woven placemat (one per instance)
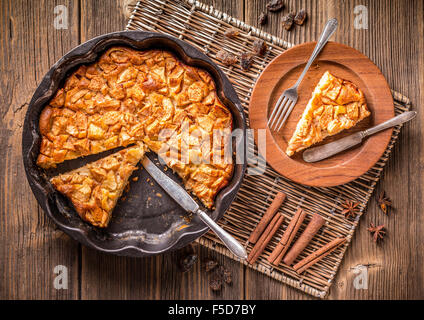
(203, 27)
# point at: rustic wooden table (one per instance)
(31, 246)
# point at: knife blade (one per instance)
(172, 188)
(180, 195)
(327, 150)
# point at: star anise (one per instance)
(350, 209)
(377, 231)
(384, 202)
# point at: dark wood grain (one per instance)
(395, 269)
(111, 277)
(31, 246)
(395, 266)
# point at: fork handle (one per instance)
(329, 29)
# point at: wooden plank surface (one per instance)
(399, 55)
(31, 246)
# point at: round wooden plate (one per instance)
(282, 73)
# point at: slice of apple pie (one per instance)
(336, 105)
(95, 188)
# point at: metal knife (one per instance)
(180, 195)
(323, 152)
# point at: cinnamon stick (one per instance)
(265, 238)
(287, 238)
(316, 256)
(311, 229)
(269, 214)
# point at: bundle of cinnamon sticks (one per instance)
(266, 228)
(269, 225)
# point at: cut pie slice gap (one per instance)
(95, 188)
(336, 105)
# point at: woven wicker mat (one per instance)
(203, 27)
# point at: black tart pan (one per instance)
(146, 220)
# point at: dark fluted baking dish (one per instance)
(138, 227)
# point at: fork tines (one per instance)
(281, 112)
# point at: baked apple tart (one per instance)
(95, 188)
(336, 105)
(130, 96)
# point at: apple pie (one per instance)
(95, 188)
(336, 105)
(131, 96)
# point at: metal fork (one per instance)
(288, 99)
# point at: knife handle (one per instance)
(230, 242)
(404, 117)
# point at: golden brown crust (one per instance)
(46, 120)
(336, 105)
(95, 188)
(129, 96)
